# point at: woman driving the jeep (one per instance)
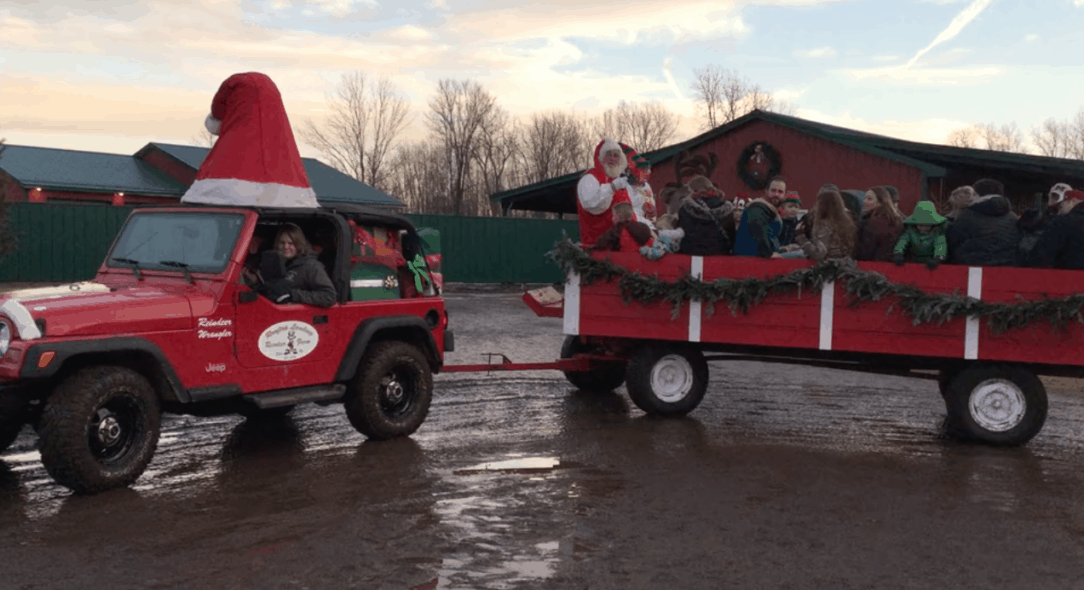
(306, 281)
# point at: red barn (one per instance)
(810, 154)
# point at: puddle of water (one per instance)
(520, 465)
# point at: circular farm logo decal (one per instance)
(288, 341)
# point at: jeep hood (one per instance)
(85, 309)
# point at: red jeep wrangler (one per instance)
(168, 325)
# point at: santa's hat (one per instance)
(255, 161)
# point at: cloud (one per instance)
(962, 20)
(928, 76)
(682, 21)
(1033, 37)
(816, 53)
(934, 130)
(885, 57)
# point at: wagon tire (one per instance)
(391, 393)
(667, 379)
(996, 404)
(99, 429)
(602, 379)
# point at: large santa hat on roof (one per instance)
(255, 161)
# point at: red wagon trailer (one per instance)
(988, 378)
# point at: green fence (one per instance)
(66, 242)
(59, 242)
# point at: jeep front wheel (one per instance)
(392, 391)
(99, 429)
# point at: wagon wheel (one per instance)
(997, 404)
(601, 379)
(667, 379)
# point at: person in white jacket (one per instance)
(599, 188)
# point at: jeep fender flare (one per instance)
(415, 327)
(162, 374)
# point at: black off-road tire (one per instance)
(996, 404)
(99, 429)
(667, 379)
(601, 380)
(391, 393)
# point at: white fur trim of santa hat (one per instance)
(609, 145)
(212, 124)
(245, 193)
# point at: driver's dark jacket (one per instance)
(309, 282)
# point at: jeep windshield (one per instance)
(202, 242)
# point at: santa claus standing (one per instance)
(255, 161)
(599, 189)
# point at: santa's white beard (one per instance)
(613, 171)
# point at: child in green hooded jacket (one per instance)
(923, 238)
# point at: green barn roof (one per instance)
(79, 171)
(76, 171)
(330, 185)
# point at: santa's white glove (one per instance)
(620, 183)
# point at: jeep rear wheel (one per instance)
(392, 391)
(99, 429)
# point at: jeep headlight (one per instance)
(5, 337)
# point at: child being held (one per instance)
(923, 240)
(668, 240)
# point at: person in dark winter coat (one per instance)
(758, 230)
(881, 226)
(306, 281)
(984, 233)
(703, 218)
(1062, 244)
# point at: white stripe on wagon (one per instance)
(695, 306)
(572, 305)
(828, 302)
(363, 283)
(971, 332)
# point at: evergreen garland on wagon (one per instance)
(739, 295)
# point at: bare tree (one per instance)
(496, 153)
(553, 144)
(645, 127)
(366, 120)
(1075, 129)
(708, 90)
(723, 95)
(205, 138)
(1006, 138)
(1052, 138)
(418, 175)
(964, 137)
(457, 114)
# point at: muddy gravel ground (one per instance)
(784, 477)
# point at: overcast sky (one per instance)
(112, 75)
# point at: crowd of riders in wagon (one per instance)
(617, 213)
